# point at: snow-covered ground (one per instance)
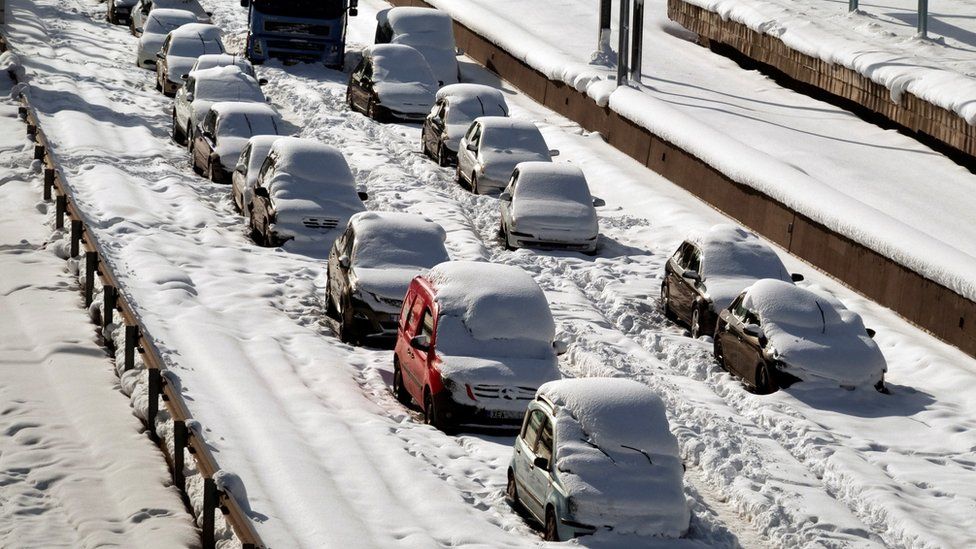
(76, 469)
(326, 455)
(878, 187)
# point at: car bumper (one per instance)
(459, 415)
(376, 327)
(524, 240)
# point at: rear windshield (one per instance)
(247, 125)
(193, 46)
(159, 25)
(469, 109)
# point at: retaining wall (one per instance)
(925, 303)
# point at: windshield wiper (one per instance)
(638, 450)
(593, 444)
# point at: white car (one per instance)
(223, 132)
(455, 107)
(493, 146)
(392, 81)
(206, 87)
(253, 155)
(212, 60)
(429, 31)
(142, 8)
(180, 51)
(157, 26)
(549, 205)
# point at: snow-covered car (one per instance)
(246, 171)
(158, 25)
(776, 333)
(206, 87)
(429, 31)
(711, 268)
(598, 454)
(304, 192)
(392, 81)
(474, 342)
(212, 60)
(119, 12)
(493, 146)
(142, 8)
(549, 205)
(180, 50)
(455, 107)
(224, 131)
(371, 266)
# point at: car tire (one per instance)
(211, 174)
(179, 136)
(511, 490)
(399, 389)
(765, 384)
(159, 84)
(666, 302)
(474, 184)
(430, 412)
(442, 159)
(695, 327)
(458, 177)
(551, 532)
(717, 351)
(256, 235)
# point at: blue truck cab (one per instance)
(299, 30)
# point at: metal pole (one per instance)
(131, 342)
(637, 41)
(179, 443)
(209, 509)
(603, 38)
(923, 18)
(3, 8)
(852, 5)
(91, 264)
(622, 49)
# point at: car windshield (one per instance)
(554, 189)
(399, 248)
(526, 139)
(307, 9)
(400, 68)
(193, 46)
(466, 110)
(159, 25)
(456, 337)
(751, 260)
(237, 88)
(247, 125)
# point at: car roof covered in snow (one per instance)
(420, 25)
(501, 134)
(473, 101)
(172, 16)
(556, 182)
(311, 162)
(202, 31)
(211, 60)
(728, 250)
(399, 63)
(227, 109)
(493, 301)
(227, 83)
(397, 239)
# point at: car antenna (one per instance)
(823, 318)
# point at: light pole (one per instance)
(622, 49)
(923, 18)
(637, 41)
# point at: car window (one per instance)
(245, 156)
(530, 430)
(427, 325)
(751, 318)
(267, 168)
(406, 313)
(191, 85)
(693, 263)
(442, 110)
(210, 123)
(476, 137)
(165, 48)
(368, 70)
(679, 254)
(413, 317)
(738, 310)
(513, 182)
(347, 243)
(544, 447)
(474, 129)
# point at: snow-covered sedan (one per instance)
(158, 25)
(206, 87)
(252, 157)
(597, 454)
(493, 146)
(180, 50)
(429, 31)
(776, 333)
(710, 269)
(212, 60)
(142, 8)
(549, 206)
(304, 192)
(474, 342)
(392, 81)
(119, 12)
(455, 107)
(224, 131)
(370, 267)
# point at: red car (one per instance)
(474, 342)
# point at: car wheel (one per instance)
(399, 389)
(511, 490)
(159, 83)
(430, 413)
(696, 322)
(256, 235)
(442, 160)
(349, 102)
(552, 529)
(717, 351)
(764, 381)
(211, 174)
(179, 136)
(666, 302)
(474, 184)
(458, 177)
(371, 111)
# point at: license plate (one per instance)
(502, 414)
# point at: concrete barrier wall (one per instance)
(927, 304)
(912, 113)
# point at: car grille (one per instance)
(503, 391)
(296, 45)
(320, 222)
(296, 28)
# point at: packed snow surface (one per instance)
(551, 197)
(616, 456)
(465, 103)
(815, 336)
(430, 32)
(403, 79)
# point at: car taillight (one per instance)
(470, 393)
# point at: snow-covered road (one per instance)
(325, 453)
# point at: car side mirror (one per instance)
(353, 12)
(262, 81)
(184, 77)
(363, 195)
(344, 262)
(796, 277)
(692, 275)
(505, 196)
(541, 463)
(189, 97)
(420, 342)
(440, 83)
(245, 3)
(139, 30)
(599, 202)
(159, 55)
(754, 330)
(560, 347)
(871, 333)
(472, 147)
(262, 192)
(554, 152)
(458, 51)
(240, 168)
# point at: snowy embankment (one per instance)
(881, 189)
(76, 469)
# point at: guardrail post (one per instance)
(91, 265)
(38, 152)
(155, 387)
(622, 50)
(131, 341)
(851, 5)
(637, 41)
(110, 296)
(76, 229)
(209, 509)
(923, 18)
(60, 208)
(179, 443)
(48, 182)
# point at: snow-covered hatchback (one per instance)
(597, 453)
(474, 342)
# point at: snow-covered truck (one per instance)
(299, 30)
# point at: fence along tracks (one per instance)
(138, 342)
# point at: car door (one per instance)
(239, 177)
(525, 445)
(540, 477)
(261, 206)
(339, 276)
(506, 205)
(161, 58)
(183, 104)
(415, 364)
(205, 140)
(734, 345)
(467, 158)
(683, 293)
(434, 126)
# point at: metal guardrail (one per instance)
(138, 340)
